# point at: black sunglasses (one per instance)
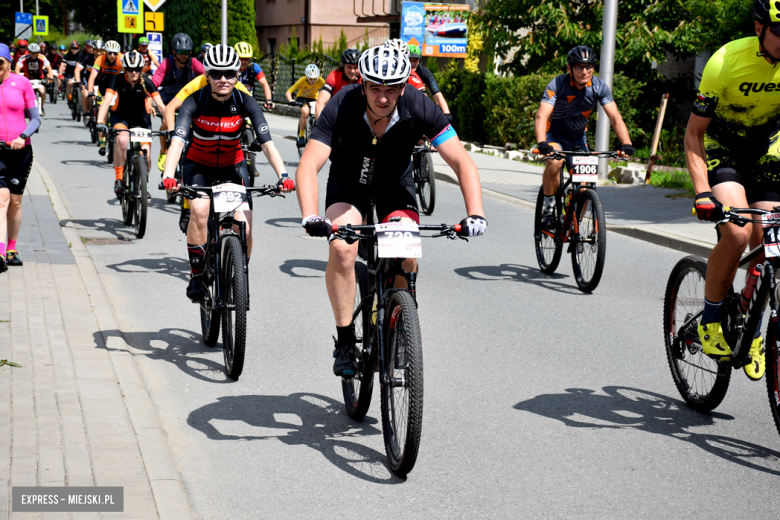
(183, 51)
(219, 74)
(134, 69)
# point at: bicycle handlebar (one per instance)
(192, 193)
(562, 154)
(450, 231)
(152, 133)
(733, 215)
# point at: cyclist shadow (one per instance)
(108, 225)
(517, 273)
(82, 143)
(625, 407)
(286, 222)
(289, 266)
(172, 266)
(90, 163)
(299, 419)
(182, 348)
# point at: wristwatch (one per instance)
(24, 136)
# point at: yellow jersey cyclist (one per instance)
(733, 154)
(368, 132)
(306, 88)
(212, 120)
(562, 119)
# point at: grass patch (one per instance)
(679, 180)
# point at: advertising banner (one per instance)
(439, 29)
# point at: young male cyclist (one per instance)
(129, 97)
(251, 73)
(368, 132)
(307, 87)
(68, 68)
(346, 74)
(149, 58)
(426, 76)
(214, 154)
(35, 66)
(731, 146)
(563, 115)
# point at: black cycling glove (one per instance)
(708, 207)
(317, 226)
(545, 148)
(627, 149)
(449, 117)
(473, 226)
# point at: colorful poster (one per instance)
(439, 29)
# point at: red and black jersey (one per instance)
(336, 81)
(214, 127)
(33, 68)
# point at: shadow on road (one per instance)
(517, 273)
(300, 419)
(625, 407)
(172, 266)
(108, 225)
(284, 222)
(90, 163)
(289, 266)
(82, 143)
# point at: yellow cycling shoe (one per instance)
(713, 341)
(755, 370)
(161, 161)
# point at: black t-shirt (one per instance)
(130, 100)
(71, 59)
(427, 77)
(86, 60)
(342, 126)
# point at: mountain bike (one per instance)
(75, 102)
(135, 179)
(35, 83)
(94, 105)
(310, 121)
(225, 272)
(579, 220)
(51, 90)
(387, 331)
(701, 380)
(424, 177)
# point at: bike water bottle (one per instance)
(750, 286)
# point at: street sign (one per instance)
(23, 25)
(155, 45)
(130, 16)
(153, 21)
(40, 25)
(154, 4)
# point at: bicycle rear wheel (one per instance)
(587, 256)
(773, 370)
(402, 397)
(427, 185)
(548, 248)
(209, 318)
(140, 195)
(358, 390)
(127, 198)
(701, 381)
(236, 299)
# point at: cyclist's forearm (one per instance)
(696, 157)
(462, 164)
(540, 128)
(172, 159)
(619, 126)
(274, 158)
(438, 98)
(306, 189)
(103, 111)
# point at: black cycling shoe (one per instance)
(196, 290)
(3, 268)
(102, 150)
(548, 218)
(119, 188)
(344, 365)
(301, 142)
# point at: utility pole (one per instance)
(606, 73)
(224, 22)
(37, 13)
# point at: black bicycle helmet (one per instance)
(766, 12)
(182, 42)
(350, 56)
(581, 54)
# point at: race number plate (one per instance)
(230, 197)
(771, 225)
(399, 240)
(140, 135)
(586, 169)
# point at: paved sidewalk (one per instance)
(77, 412)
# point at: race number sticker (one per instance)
(586, 169)
(771, 225)
(230, 197)
(399, 240)
(140, 135)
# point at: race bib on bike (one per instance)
(230, 197)
(585, 169)
(140, 135)
(399, 240)
(771, 225)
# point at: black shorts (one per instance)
(196, 174)
(388, 198)
(15, 167)
(756, 167)
(139, 121)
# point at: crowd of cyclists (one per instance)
(370, 114)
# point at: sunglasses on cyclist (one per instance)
(134, 69)
(111, 53)
(181, 52)
(219, 74)
(775, 29)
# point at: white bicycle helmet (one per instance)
(385, 65)
(132, 60)
(222, 57)
(34, 48)
(112, 46)
(312, 71)
(398, 44)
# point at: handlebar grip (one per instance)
(335, 228)
(535, 150)
(458, 228)
(161, 186)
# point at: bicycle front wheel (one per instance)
(587, 256)
(402, 396)
(236, 299)
(701, 381)
(548, 248)
(141, 201)
(127, 198)
(358, 390)
(427, 185)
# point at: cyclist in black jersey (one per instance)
(368, 132)
(213, 120)
(68, 67)
(415, 57)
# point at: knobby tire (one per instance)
(236, 300)
(588, 266)
(141, 202)
(548, 249)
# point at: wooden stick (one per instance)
(656, 136)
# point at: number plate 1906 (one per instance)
(585, 169)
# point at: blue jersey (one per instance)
(251, 74)
(571, 106)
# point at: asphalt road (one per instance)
(540, 401)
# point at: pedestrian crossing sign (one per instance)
(40, 25)
(130, 16)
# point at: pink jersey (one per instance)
(16, 94)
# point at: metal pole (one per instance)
(224, 22)
(606, 73)
(37, 13)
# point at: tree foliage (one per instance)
(241, 22)
(180, 17)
